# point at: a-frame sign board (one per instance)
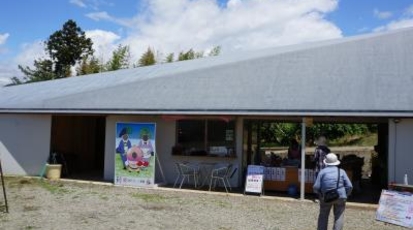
(255, 179)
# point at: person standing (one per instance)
(294, 151)
(326, 180)
(320, 153)
(124, 146)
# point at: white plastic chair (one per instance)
(188, 172)
(178, 170)
(219, 174)
(230, 173)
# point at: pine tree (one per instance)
(68, 46)
(120, 59)
(147, 58)
(89, 65)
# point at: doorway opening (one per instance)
(268, 143)
(79, 144)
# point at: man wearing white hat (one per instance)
(332, 177)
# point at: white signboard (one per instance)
(396, 208)
(255, 178)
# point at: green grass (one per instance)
(223, 204)
(29, 208)
(15, 182)
(53, 187)
(103, 197)
(154, 202)
(155, 198)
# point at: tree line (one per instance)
(69, 47)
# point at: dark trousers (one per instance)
(339, 207)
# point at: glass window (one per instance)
(205, 137)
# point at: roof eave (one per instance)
(220, 112)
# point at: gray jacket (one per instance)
(327, 179)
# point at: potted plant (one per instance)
(53, 167)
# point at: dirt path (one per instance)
(41, 204)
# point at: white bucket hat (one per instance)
(331, 159)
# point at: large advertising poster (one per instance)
(396, 208)
(135, 154)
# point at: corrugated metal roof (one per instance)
(365, 75)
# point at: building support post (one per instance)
(303, 137)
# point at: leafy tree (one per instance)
(43, 71)
(199, 54)
(215, 51)
(147, 58)
(280, 133)
(170, 57)
(120, 59)
(89, 65)
(68, 46)
(65, 48)
(15, 81)
(189, 55)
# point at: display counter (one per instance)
(281, 178)
(401, 187)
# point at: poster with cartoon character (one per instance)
(135, 154)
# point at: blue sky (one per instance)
(178, 25)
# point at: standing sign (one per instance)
(255, 179)
(396, 208)
(135, 154)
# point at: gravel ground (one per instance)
(42, 204)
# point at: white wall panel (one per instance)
(400, 150)
(24, 143)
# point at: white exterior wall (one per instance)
(400, 150)
(165, 139)
(24, 143)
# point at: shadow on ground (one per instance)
(364, 192)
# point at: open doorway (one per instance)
(267, 142)
(79, 142)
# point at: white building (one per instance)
(366, 78)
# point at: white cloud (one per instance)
(104, 42)
(4, 81)
(394, 25)
(92, 4)
(79, 3)
(104, 16)
(382, 14)
(179, 25)
(173, 26)
(8, 69)
(405, 21)
(28, 53)
(409, 11)
(3, 38)
(97, 16)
